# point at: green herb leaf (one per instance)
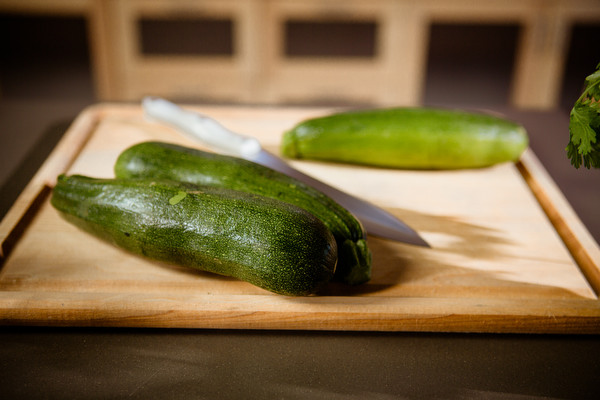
(177, 198)
(584, 125)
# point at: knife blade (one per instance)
(375, 220)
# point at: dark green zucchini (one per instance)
(416, 138)
(170, 161)
(268, 243)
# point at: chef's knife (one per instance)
(375, 220)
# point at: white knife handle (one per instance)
(200, 127)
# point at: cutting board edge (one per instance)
(576, 237)
(62, 156)
(570, 316)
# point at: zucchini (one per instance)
(268, 243)
(170, 161)
(416, 138)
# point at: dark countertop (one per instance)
(207, 364)
(163, 363)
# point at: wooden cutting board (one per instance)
(508, 252)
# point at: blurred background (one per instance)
(526, 58)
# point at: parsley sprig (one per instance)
(584, 125)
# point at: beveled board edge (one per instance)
(578, 240)
(319, 313)
(62, 156)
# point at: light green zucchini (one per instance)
(411, 138)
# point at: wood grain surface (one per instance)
(508, 253)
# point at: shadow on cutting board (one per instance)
(465, 260)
